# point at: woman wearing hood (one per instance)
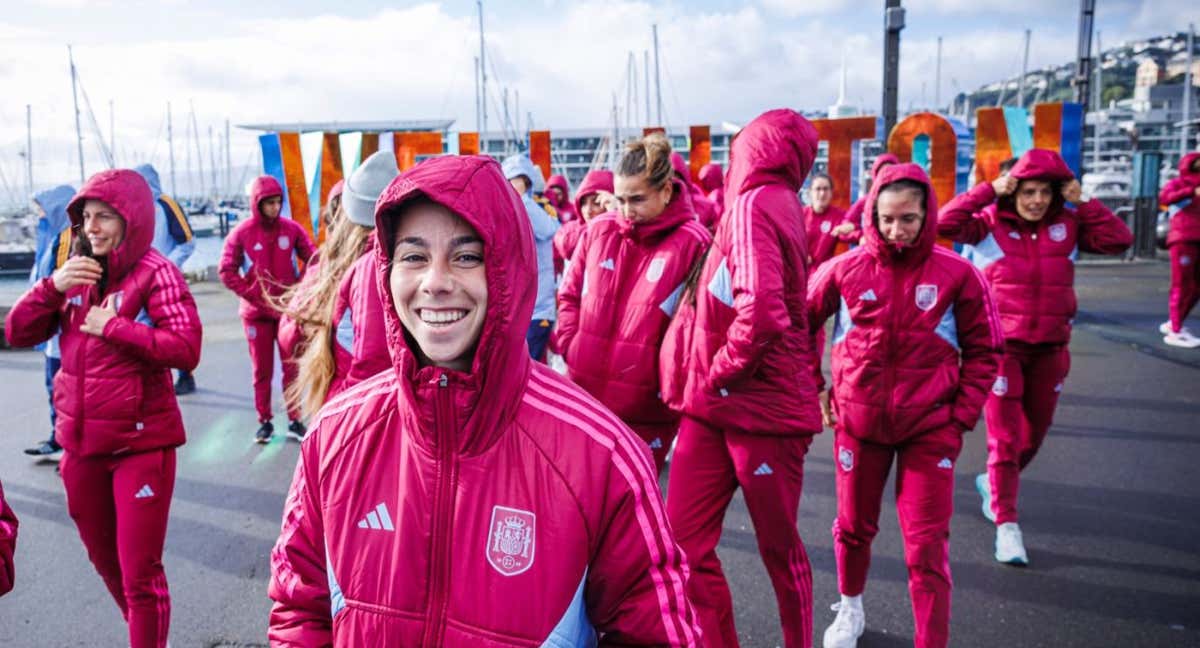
(1025, 239)
(916, 344)
(468, 496)
(53, 248)
(855, 213)
(260, 260)
(526, 179)
(342, 314)
(706, 210)
(559, 195)
(590, 202)
(712, 183)
(1183, 241)
(739, 368)
(620, 292)
(126, 319)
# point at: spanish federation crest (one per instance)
(1058, 232)
(655, 271)
(826, 226)
(511, 538)
(846, 458)
(926, 296)
(284, 242)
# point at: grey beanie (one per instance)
(364, 186)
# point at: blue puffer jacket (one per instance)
(544, 228)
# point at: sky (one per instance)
(312, 60)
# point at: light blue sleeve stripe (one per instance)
(721, 285)
(947, 329)
(843, 323)
(671, 304)
(345, 331)
(983, 253)
(337, 602)
(574, 630)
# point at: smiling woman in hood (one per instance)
(469, 496)
(126, 318)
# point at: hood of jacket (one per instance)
(1037, 164)
(881, 249)
(1185, 165)
(682, 170)
(126, 192)
(262, 188)
(599, 180)
(560, 182)
(474, 188)
(882, 161)
(521, 165)
(150, 175)
(678, 211)
(778, 147)
(54, 203)
(1041, 164)
(711, 177)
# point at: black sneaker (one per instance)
(264, 434)
(46, 451)
(296, 430)
(185, 385)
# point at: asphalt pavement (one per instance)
(1110, 509)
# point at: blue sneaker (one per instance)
(985, 491)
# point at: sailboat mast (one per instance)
(29, 146)
(171, 149)
(75, 98)
(657, 78)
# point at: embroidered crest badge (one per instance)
(927, 296)
(655, 271)
(826, 226)
(511, 540)
(1058, 232)
(284, 242)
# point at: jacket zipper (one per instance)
(889, 368)
(1035, 258)
(79, 364)
(443, 514)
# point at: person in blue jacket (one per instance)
(173, 238)
(526, 178)
(53, 248)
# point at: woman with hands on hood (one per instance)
(1024, 238)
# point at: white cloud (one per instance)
(416, 62)
(794, 8)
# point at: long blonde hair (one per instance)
(313, 313)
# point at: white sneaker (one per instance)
(846, 628)
(1183, 339)
(1010, 548)
(984, 488)
(1165, 328)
